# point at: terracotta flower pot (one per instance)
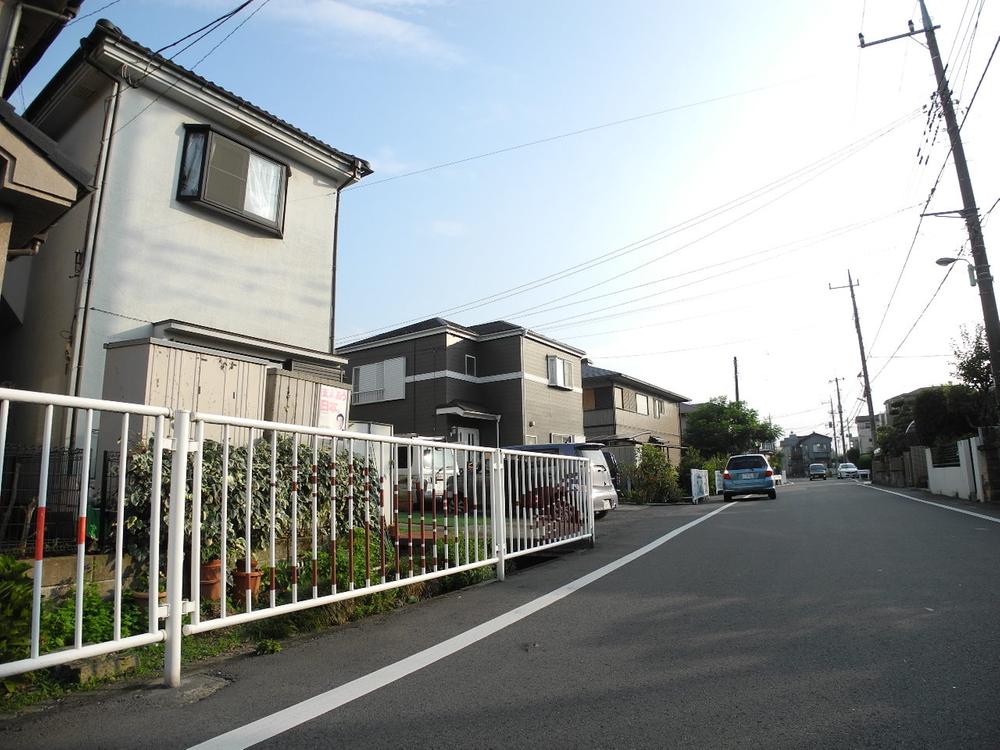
(243, 581)
(211, 580)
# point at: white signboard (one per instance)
(699, 485)
(718, 483)
(333, 403)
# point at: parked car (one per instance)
(748, 474)
(847, 471)
(605, 494)
(817, 471)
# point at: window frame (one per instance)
(645, 400)
(475, 370)
(275, 228)
(619, 397)
(556, 366)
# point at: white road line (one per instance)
(291, 717)
(994, 519)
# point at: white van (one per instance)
(605, 494)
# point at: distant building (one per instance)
(802, 450)
(866, 439)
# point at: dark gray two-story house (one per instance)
(621, 410)
(468, 384)
(802, 450)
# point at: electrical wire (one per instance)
(92, 13)
(215, 26)
(560, 136)
(820, 164)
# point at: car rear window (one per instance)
(817, 466)
(746, 462)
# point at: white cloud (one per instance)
(363, 20)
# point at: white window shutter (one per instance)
(367, 377)
(395, 378)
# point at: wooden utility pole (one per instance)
(833, 426)
(736, 377)
(840, 411)
(861, 347)
(969, 211)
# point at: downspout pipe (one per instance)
(89, 247)
(354, 177)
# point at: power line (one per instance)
(560, 136)
(92, 13)
(793, 246)
(216, 24)
(820, 164)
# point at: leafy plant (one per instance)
(15, 609)
(655, 478)
(335, 477)
(267, 646)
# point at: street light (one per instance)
(949, 261)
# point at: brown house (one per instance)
(620, 410)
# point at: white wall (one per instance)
(963, 481)
(158, 259)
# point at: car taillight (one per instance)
(768, 473)
(725, 475)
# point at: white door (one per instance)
(467, 435)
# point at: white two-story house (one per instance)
(201, 269)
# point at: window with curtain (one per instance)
(226, 176)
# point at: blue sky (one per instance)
(755, 91)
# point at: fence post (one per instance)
(499, 503)
(175, 549)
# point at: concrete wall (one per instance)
(964, 481)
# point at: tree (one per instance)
(945, 414)
(726, 427)
(972, 368)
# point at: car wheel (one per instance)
(600, 514)
(727, 496)
(773, 494)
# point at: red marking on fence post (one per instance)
(39, 532)
(81, 530)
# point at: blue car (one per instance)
(749, 474)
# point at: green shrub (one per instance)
(656, 479)
(15, 609)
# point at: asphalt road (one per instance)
(834, 616)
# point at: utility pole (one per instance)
(969, 211)
(861, 347)
(833, 427)
(840, 411)
(736, 377)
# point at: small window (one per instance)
(589, 399)
(227, 176)
(531, 440)
(659, 407)
(470, 365)
(560, 372)
(641, 403)
(619, 398)
(558, 437)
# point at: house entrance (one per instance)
(467, 435)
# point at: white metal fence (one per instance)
(310, 516)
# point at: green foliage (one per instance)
(693, 459)
(331, 473)
(945, 414)
(854, 456)
(59, 619)
(777, 461)
(655, 479)
(267, 646)
(972, 360)
(727, 427)
(891, 439)
(15, 609)
(864, 461)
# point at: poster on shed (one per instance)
(333, 403)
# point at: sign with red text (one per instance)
(333, 403)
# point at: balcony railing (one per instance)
(368, 397)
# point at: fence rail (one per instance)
(311, 516)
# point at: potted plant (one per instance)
(244, 580)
